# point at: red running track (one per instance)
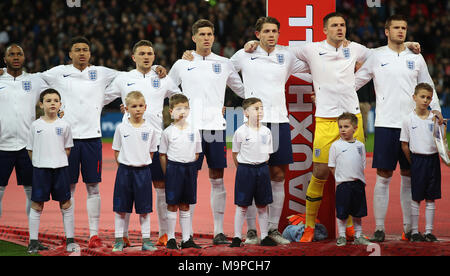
(14, 224)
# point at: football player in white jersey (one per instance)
(19, 94)
(204, 81)
(155, 90)
(395, 70)
(265, 72)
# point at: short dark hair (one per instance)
(47, 92)
(349, 116)
(141, 43)
(250, 101)
(262, 20)
(80, 39)
(330, 15)
(395, 17)
(176, 99)
(201, 23)
(423, 86)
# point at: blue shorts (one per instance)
(155, 167)
(351, 200)
(21, 161)
(133, 185)
(282, 144)
(181, 183)
(88, 154)
(387, 150)
(252, 181)
(54, 182)
(214, 147)
(425, 177)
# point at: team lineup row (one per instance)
(265, 67)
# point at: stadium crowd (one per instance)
(44, 29)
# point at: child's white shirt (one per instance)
(419, 134)
(253, 146)
(348, 159)
(181, 145)
(49, 142)
(134, 144)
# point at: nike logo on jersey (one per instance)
(414, 127)
(130, 84)
(39, 131)
(247, 139)
(2, 87)
(384, 64)
(321, 54)
(344, 150)
(125, 136)
(65, 76)
(253, 58)
(189, 69)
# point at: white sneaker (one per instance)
(362, 241)
(252, 237)
(276, 236)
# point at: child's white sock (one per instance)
(405, 200)
(27, 190)
(68, 215)
(126, 224)
(342, 226)
(33, 223)
(276, 207)
(93, 205)
(263, 218)
(144, 220)
(239, 218)
(171, 223)
(191, 210)
(185, 220)
(218, 203)
(251, 216)
(119, 224)
(357, 226)
(430, 208)
(415, 208)
(381, 200)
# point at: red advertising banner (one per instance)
(301, 21)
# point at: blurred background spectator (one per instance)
(44, 28)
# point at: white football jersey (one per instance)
(154, 89)
(349, 160)
(134, 144)
(18, 99)
(181, 145)
(333, 76)
(419, 134)
(395, 75)
(82, 96)
(204, 82)
(265, 77)
(49, 142)
(253, 146)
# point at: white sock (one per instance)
(415, 209)
(27, 190)
(342, 226)
(161, 209)
(251, 216)
(405, 200)
(69, 227)
(144, 220)
(72, 193)
(263, 218)
(430, 207)
(185, 220)
(2, 192)
(276, 207)
(357, 224)
(191, 210)
(126, 224)
(119, 224)
(171, 223)
(381, 201)
(33, 223)
(239, 218)
(93, 205)
(218, 203)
